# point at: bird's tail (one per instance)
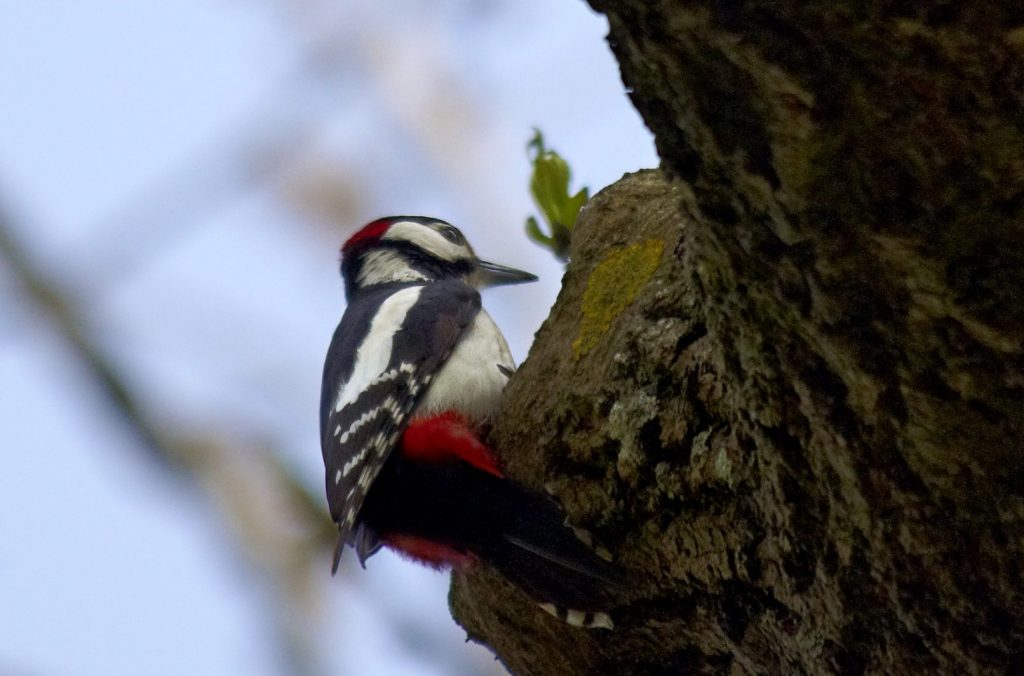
(556, 565)
(443, 501)
(450, 513)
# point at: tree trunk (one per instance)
(784, 381)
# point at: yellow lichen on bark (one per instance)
(612, 286)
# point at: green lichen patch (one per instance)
(611, 288)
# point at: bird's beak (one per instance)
(492, 274)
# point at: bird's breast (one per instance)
(470, 380)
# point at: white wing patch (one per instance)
(374, 352)
(371, 407)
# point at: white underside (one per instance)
(470, 381)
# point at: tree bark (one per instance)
(784, 379)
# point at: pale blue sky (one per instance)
(130, 136)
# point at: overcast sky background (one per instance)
(185, 171)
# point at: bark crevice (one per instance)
(802, 434)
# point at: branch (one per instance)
(292, 532)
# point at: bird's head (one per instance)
(414, 248)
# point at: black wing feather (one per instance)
(357, 440)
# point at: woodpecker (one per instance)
(414, 371)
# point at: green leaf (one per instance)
(534, 233)
(549, 186)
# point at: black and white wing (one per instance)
(387, 349)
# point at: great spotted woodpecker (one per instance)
(414, 369)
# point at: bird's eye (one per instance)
(451, 234)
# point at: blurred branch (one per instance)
(253, 148)
(47, 296)
(278, 524)
(278, 521)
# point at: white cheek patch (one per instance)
(429, 240)
(374, 352)
(386, 266)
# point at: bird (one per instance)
(414, 373)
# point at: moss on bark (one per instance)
(802, 436)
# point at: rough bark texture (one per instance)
(784, 381)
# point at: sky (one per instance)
(185, 172)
